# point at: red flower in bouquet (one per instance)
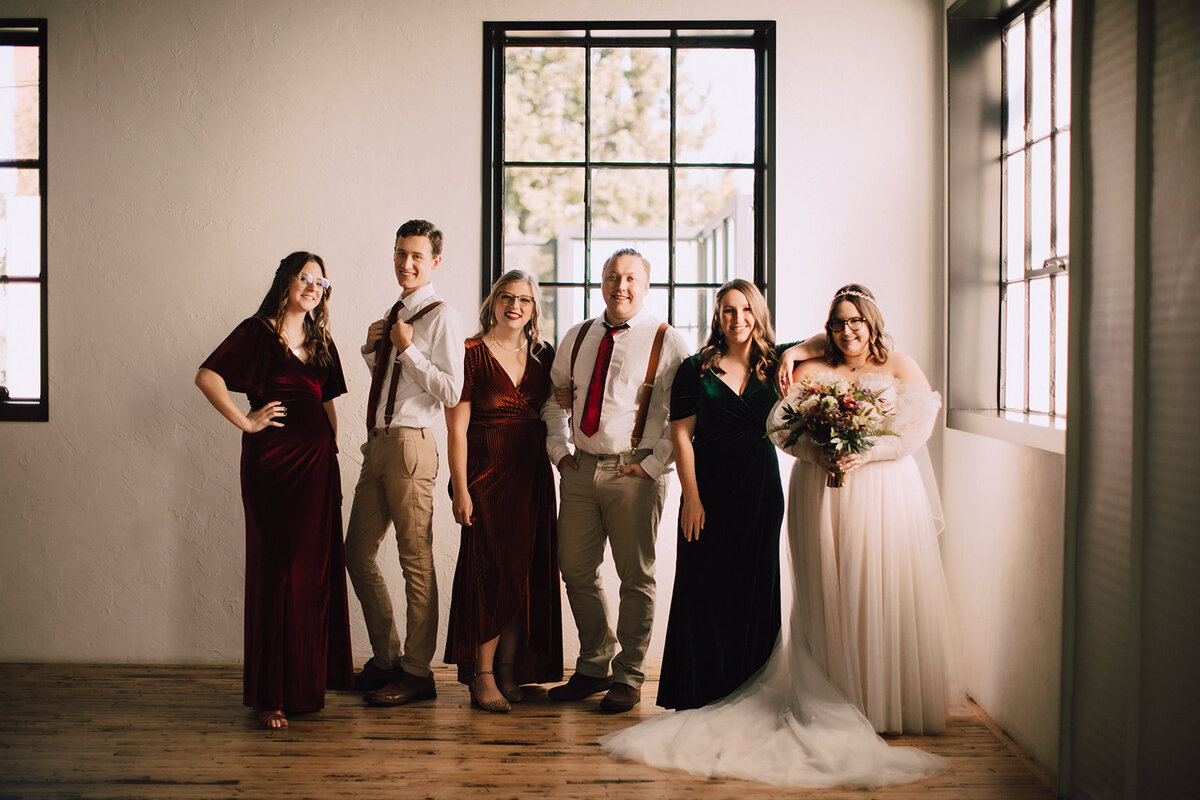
(837, 416)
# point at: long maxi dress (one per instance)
(297, 623)
(508, 559)
(790, 724)
(725, 608)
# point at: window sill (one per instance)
(1032, 430)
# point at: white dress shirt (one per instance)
(626, 372)
(431, 373)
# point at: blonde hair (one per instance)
(487, 317)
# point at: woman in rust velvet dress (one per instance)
(505, 624)
(297, 629)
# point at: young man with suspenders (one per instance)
(620, 366)
(415, 356)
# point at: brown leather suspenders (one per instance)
(644, 391)
(382, 356)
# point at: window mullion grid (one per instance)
(1005, 254)
(1053, 12)
(587, 175)
(671, 185)
(1027, 254)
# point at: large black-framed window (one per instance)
(23, 358)
(652, 135)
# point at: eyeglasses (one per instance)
(854, 324)
(309, 280)
(512, 299)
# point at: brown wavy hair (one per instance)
(878, 343)
(273, 307)
(533, 330)
(762, 340)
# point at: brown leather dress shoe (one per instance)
(621, 697)
(372, 677)
(578, 687)
(408, 689)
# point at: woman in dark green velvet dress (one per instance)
(725, 608)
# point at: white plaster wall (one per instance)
(192, 144)
(1003, 554)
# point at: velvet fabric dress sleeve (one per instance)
(244, 358)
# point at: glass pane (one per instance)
(714, 106)
(543, 103)
(629, 209)
(631, 33)
(1014, 216)
(1039, 65)
(1062, 63)
(1039, 345)
(1014, 347)
(19, 103)
(739, 33)
(562, 307)
(543, 222)
(534, 31)
(1061, 286)
(21, 340)
(1039, 204)
(656, 303)
(20, 223)
(1014, 84)
(714, 225)
(693, 315)
(1062, 194)
(631, 104)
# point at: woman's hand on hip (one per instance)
(265, 417)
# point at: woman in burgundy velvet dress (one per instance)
(505, 624)
(297, 629)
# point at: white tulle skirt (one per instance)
(869, 611)
(871, 604)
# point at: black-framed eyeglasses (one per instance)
(854, 324)
(309, 280)
(511, 299)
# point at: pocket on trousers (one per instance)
(410, 457)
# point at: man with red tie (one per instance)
(618, 368)
(415, 356)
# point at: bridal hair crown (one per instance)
(866, 297)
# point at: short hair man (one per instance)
(613, 487)
(416, 359)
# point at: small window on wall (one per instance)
(23, 379)
(655, 136)
(1035, 185)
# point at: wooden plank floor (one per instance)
(107, 731)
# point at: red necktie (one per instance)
(595, 393)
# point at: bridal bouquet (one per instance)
(839, 417)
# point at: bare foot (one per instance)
(272, 720)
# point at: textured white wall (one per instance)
(192, 144)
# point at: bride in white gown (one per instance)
(867, 648)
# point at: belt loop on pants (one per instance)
(395, 431)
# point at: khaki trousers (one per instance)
(395, 488)
(595, 505)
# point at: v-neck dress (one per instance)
(508, 559)
(297, 623)
(725, 608)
